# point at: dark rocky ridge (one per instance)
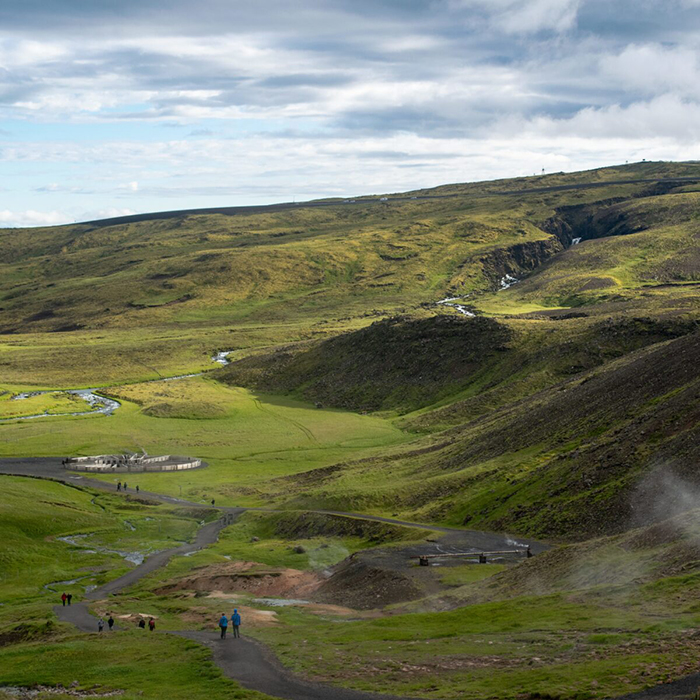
(397, 363)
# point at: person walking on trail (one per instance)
(69, 597)
(213, 502)
(119, 485)
(110, 622)
(125, 486)
(142, 624)
(151, 624)
(236, 622)
(64, 598)
(137, 488)
(223, 625)
(100, 625)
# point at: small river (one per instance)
(76, 540)
(98, 403)
(451, 301)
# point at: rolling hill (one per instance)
(517, 356)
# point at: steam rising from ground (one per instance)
(661, 538)
(663, 494)
(322, 558)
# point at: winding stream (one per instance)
(75, 540)
(98, 403)
(450, 301)
(507, 282)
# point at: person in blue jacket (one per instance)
(223, 625)
(236, 622)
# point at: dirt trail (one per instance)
(245, 660)
(51, 468)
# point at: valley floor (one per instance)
(572, 635)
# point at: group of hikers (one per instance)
(123, 486)
(235, 623)
(141, 625)
(235, 620)
(223, 623)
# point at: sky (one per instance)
(110, 107)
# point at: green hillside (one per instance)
(563, 462)
(335, 305)
(158, 296)
(518, 356)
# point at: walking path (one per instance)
(245, 660)
(51, 468)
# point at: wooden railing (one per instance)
(424, 559)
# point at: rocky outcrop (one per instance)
(587, 221)
(519, 259)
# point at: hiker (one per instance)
(64, 598)
(125, 486)
(69, 597)
(110, 622)
(137, 488)
(151, 624)
(100, 625)
(223, 624)
(236, 622)
(119, 485)
(212, 501)
(142, 624)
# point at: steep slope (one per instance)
(563, 462)
(400, 363)
(639, 253)
(659, 562)
(156, 270)
(474, 365)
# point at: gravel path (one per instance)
(51, 468)
(245, 660)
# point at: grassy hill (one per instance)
(565, 405)
(398, 363)
(147, 296)
(565, 461)
(335, 303)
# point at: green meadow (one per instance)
(159, 666)
(50, 404)
(37, 566)
(246, 439)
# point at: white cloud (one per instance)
(653, 68)
(336, 97)
(32, 218)
(526, 16)
(666, 116)
(107, 213)
(18, 52)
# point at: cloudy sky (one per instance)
(120, 106)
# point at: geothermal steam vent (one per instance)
(129, 462)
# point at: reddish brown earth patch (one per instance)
(203, 617)
(247, 577)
